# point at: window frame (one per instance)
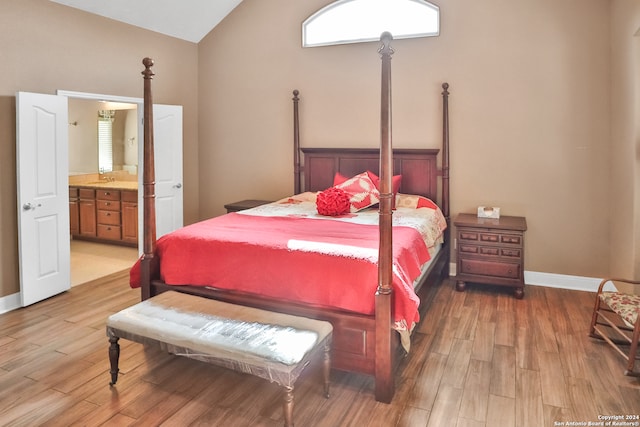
(340, 6)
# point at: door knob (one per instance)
(29, 207)
(178, 185)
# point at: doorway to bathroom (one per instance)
(44, 222)
(103, 157)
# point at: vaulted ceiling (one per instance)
(188, 20)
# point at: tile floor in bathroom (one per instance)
(90, 260)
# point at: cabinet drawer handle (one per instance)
(489, 238)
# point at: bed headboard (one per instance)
(418, 167)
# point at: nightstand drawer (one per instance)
(490, 251)
(486, 268)
(511, 253)
(468, 235)
(511, 239)
(468, 249)
(489, 237)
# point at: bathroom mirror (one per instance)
(88, 123)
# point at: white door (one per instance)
(43, 195)
(167, 135)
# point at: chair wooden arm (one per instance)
(614, 280)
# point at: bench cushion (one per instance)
(270, 345)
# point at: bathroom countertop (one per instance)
(112, 185)
(93, 182)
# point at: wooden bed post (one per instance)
(148, 262)
(385, 385)
(445, 151)
(445, 176)
(296, 144)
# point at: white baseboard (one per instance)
(10, 302)
(562, 281)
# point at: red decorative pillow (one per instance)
(396, 180)
(339, 179)
(333, 202)
(423, 202)
(361, 190)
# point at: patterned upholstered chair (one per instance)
(616, 320)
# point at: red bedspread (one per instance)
(320, 262)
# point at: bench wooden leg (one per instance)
(114, 356)
(326, 368)
(288, 406)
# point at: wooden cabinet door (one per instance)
(87, 217)
(74, 213)
(74, 218)
(130, 222)
(130, 217)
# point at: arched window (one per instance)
(354, 21)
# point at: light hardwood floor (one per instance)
(479, 358)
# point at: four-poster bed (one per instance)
(363, 342)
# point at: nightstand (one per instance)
(490, 251)
(244, 204)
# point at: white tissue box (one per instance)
(488, 212)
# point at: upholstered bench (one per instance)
(273, 346)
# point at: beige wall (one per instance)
(625, 141)
(530, 112)
(45, 47)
